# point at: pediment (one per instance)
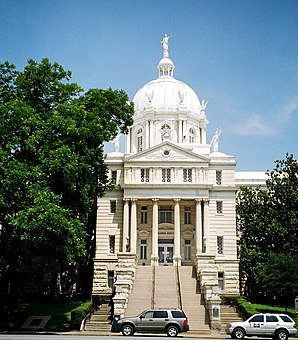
(167, 152)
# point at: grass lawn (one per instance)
(60, 313)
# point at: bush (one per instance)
(78, 314)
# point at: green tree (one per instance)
(267, 222)
(52, 169)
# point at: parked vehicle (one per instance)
(170, 321)
(277, 326)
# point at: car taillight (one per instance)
(185, 322)
(294, 325)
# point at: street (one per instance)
(91, 337)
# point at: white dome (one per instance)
(166, 93)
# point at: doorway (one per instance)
(165, 252)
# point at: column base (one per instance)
(177, 260)
(154, 260)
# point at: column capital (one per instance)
(198, 200)
(206, 201)
(133, 199)
(177, 200)
(155, 200)
(126, 199)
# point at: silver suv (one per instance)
(170, 321)
(277, 326)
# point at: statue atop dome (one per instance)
(165, 44)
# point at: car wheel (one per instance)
(281, 335)
(172, 331)
(127, 330)
(238, 333)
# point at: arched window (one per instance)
(191, 135)
(140, 140)
(165, 132)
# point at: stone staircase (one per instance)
(192, 302)
(100, 321)
(166, 290)
(228, 314)
(141, 296)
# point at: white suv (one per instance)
(277, 326)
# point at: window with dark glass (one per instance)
(187, 175)
(221, 283)
(187, 215)
(113, 207)
(114, 176)
(165, 215)
(219, 207)
(257, 318)
(166, 175)
(145, 175)
(143, 215)
(112, 244)
(187, 250)
(143, 250)
(218, 177)
(220, 244)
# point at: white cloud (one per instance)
(254, 126)
(289, 110)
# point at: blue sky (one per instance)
(241, 56)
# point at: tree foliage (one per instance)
(267, 222)
(52, 167)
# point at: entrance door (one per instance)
(165, 254)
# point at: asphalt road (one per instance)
(41, 336)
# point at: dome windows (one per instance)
(140, 140)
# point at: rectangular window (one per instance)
(219, 207)
(187, 215)
(143, 253)
(144, 175)
(218, 177)
(112, 244)
(187, 250)
(165, 215)
(187, 175)
(166, 175)
(140, 143)
(221, 282)
(114, 176)
(219, 244)
(113, 207)
(143, 215)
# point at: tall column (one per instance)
(199, 239)
(125, 236)
(177, 254)
(133, 226)
(206, 226)
(154, 255)
(127, 146)
(151, 133)
(180, 133)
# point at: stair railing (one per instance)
(179, 288)
(153, 288)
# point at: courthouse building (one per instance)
(174, 196)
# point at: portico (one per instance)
(164, 213)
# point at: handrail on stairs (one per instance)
(179, 288)
(153, 287)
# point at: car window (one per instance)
(160, 314)
(285, 318)
(177, 314)
(271, 318)
(257, 318)
(148, 315)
